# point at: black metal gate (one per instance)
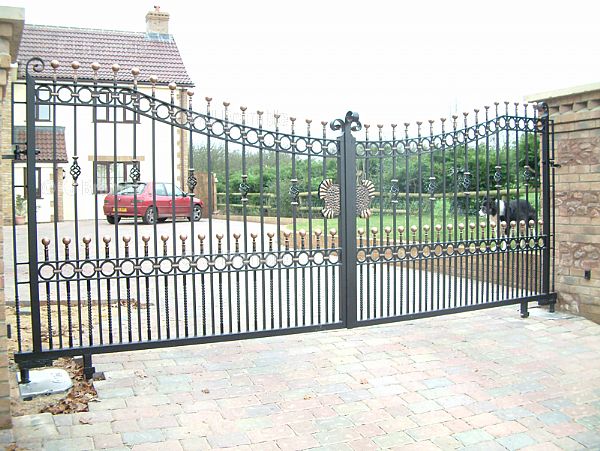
(174, 227)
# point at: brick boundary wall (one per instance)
(576, 115)
(11, 29)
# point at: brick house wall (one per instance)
(576, 115)
(11, 28)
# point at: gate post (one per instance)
(347, 232)
(34, 293)
(546, 193)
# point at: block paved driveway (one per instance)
(480, 380)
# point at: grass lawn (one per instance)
(388, 221)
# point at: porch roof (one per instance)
(44, 142)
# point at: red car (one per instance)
(146, 206)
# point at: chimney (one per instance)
(157, 21)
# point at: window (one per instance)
(38, 183)
(106, 175)
(38, 186)
(107, 107)
(161, 190)
(178, 192)
(131, 188)
(42, 113)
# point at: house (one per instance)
(48, 141)
(101, 139)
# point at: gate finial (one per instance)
(351, 120)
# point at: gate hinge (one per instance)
(19, 151)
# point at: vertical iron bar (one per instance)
(15, 250)
(420, 220)
(394, 202)
(191, 181)
(95, 96)
(309, 204)
(278, 207)
(116, 198)
(518, 235)
(456, 212)
(245, 219)
(262, 214)
(228, 213)
(444, 244)
(34, 290)
(210, 213)
(544, 117)
(381, 160)
(325, 234)
(155, 207)
(136, 238)
(164, 239)
(55, 218)
(126, 240)
(348, 227)
(172, 88)
(76, 214)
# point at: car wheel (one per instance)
(149, 216)
(112, 219)
(196, 213)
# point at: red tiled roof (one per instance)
(153, 54)
(44, 142)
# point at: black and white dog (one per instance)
(515, 210)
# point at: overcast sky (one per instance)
(390, 61)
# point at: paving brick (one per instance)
(171, 445)
(553, 417)
(296, 443)
(393, 439)
(424, 406)
(428, 432)
(473, 437)
(516, 441)
(369, 430)
(88, 430)
(589, 439)
(194, 444)
(363, 444)
(436, 416)
(158, 422)
(567, 443)
(505, 428)
(103, 441)
(333, 423)
(545, 446)
(75, 444)
(138, 438)
(336, 436)
(270, 434)
(457, 425)
(130, 425)
(228, 440)
(482, 420)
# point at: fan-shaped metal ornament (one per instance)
(365, 191)
(329, 193)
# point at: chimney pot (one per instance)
(157, 21)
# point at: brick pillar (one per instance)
(202, 189)
(183, 146)
(11, 29)
(576, 115)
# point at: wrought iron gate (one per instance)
(304, 231)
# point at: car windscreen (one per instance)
(130, 188)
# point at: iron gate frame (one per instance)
(347, 250)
